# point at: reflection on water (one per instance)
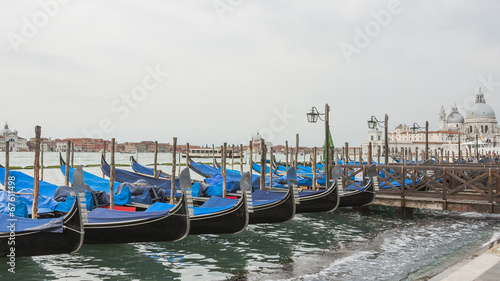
(374, 244)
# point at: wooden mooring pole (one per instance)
(313, 164)
(112, 177)
(296, 151)
(172, 180)
(36, 167)
(66, 170)
(188, 150)
(72, 154)
(250, 158)
(270, 166)
(156, 160)
(224, 171)
(370, 154)
(104, 154)
(41, 160)
(286, 154)
(262, 165)
(241, 159)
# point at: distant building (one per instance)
(16, 143)
(480, 120)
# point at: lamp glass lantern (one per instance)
(312, 117)
(372, 124)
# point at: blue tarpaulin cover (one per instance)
(213, 204)
(130, 177)
(24, 181)
(93, 181)
(45, 204)
(26, 224)
(101, 215)
(20, 208)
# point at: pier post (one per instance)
(370, 155)
(346, 153)
(250, 147)
(416, 155)
(232, 157)
(156, 160)
(187, 156)
(72, 154)
(34, 210)
(112, 177)
(271, 166)
(41, 160)
(241, 159)
(172, 180)
(296, 151)
(262, 165)
(104, 154)
(286, 154)
(223, 170)
(213, 153)
(313, 165)
(378, 155)
(426, 140)
(66, 172)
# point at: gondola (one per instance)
(35, 237)
(113, 226)
(268, 206)
(215, 216)
(138, 168)
(205, 171)
(309, 201)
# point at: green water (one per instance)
(375, 244)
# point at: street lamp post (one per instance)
(372, 123)
(312, 117)
(415, 128)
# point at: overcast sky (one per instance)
(215, 71)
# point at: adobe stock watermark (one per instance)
(31, 26)
(224, 6)
(277, 124)
(11, 206)
(122, 106)
(363, 37)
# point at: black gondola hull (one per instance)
(172, 227)
(358, 198)
(232, 220)
(326, 201)
(278, 211)
(37, 243)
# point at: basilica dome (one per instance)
(455, 116)
(480, 108)
(6, 130)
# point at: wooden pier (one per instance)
(463, 187)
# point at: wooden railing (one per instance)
(467, 184)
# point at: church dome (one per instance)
(6, 130)
(455, 116)
(480, 108)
